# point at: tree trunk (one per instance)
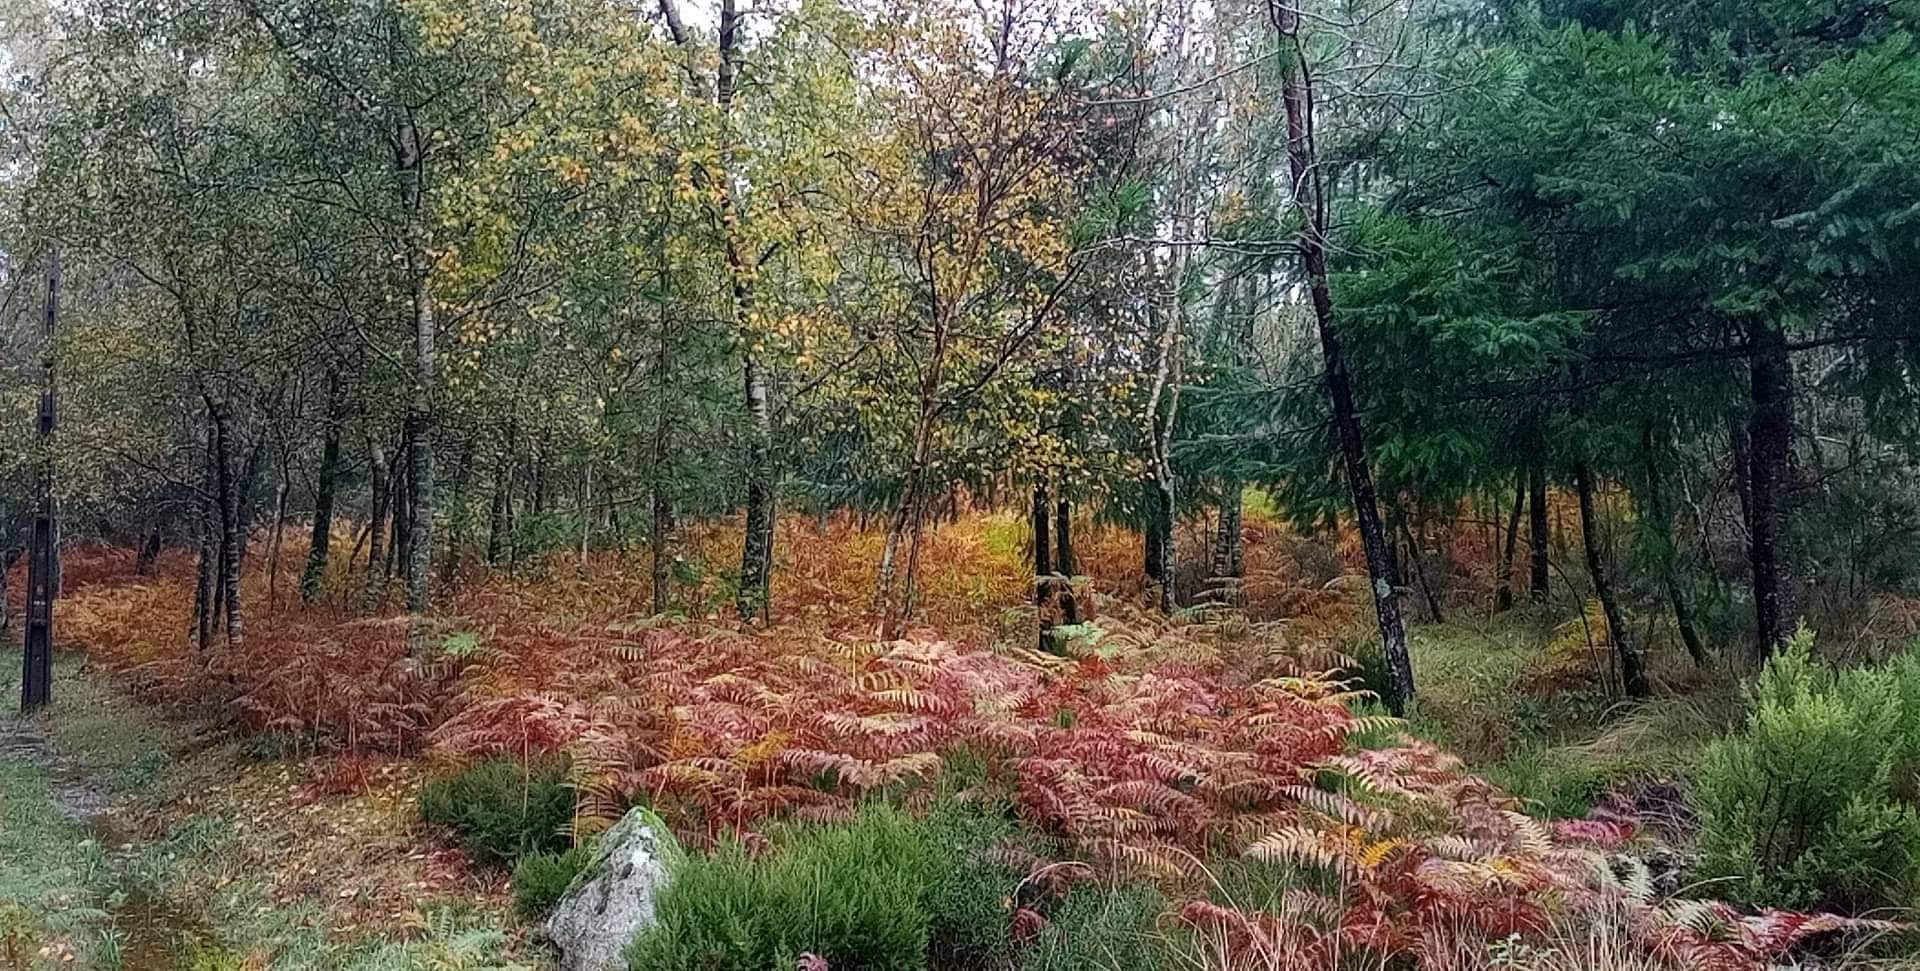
(142, 566)
(228, 493)
(1042, 547)
(1667, 550)
(1503, 595)
(1228, 555)
(409, 152)
(1297, 96)
(381, 481)
(207, 570)
(756, 553)
(905, 524)
(1633, 673)
(1538, 534)
(1416, 554)
(1769, 457)
(500, 514)
(457, 520)
(1063, 560)
(274, 538)
(321, 542)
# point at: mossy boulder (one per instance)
(613, 897)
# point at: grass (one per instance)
(54, 878)
(217, 844)
(1559, 751)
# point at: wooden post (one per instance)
(36, 678)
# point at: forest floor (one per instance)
(288, 835)
(143, 840)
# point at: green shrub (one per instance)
(502, 810)
(1100, 928)
(880, 892)
(541, 877)
(1805, 806)
(969, 902)
(853, 893)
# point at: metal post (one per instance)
(36, 680)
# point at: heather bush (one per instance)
(851, 893)
(1812, 803)
(883, 890)
(540, 878)
(502, 809)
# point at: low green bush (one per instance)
(1810, 805)
(541, 877)
(502, 810)
(881, 892)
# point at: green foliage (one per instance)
(880, 891)
(540, 878)
(1100, 928)
(1811, 804)
(503, 810)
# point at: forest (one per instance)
(960, 485)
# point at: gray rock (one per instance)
(613, 897)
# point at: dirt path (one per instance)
(140, 932)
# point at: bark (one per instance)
(1042, 546)
(662, 504)
(142, 565)
(1538, 534)
(1503, 594)
(458, 520)
(1633, 673)
(500, 514)
(1416, 554)
(320, 544)
(756, 553)
(1297, 96)
(381, 481)
(7, 559)
(274, 538)
(1661, 520)
(207, 568)
(1770, 438)
(1228, 547)
(409, 163)
(228, 493)
(1063, 560)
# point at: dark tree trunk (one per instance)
(1042, 545)
(1297, 97)
(1228, 552)
(382, 483)
(1417, 555)
(207, 570)
(142, 565)
(321, 541)
(1769, 458)
(1633, 673)
(500, 515)
(1063, 560)
(1538, 534)
(1667, 550)
(457, 520)
(1503, 594)
(1150, 537)
(229, 494)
